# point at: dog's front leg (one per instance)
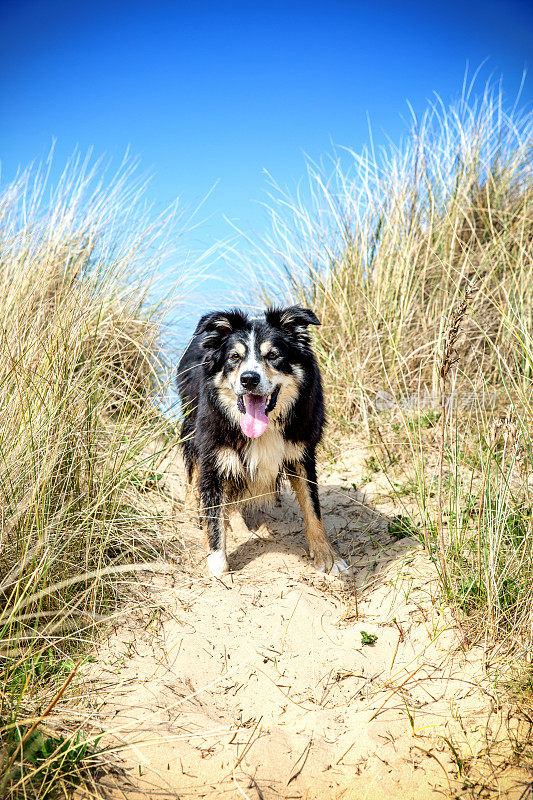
(236, 521)
(304, 483)
(190, 506)
(213, 520)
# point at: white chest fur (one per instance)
(261, 461)
(264, 457)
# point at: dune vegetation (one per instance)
(419, 262)
(81, 438)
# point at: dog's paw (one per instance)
(340, 568)
(217, 563)
(325, 560)
(323, 557)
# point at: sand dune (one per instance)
(260, 686)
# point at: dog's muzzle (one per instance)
(254, 409)
(270, 405)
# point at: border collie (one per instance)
(252, 394)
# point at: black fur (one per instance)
(207, 427)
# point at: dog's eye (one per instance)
(235, 357)
(272, 355)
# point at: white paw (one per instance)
(340, 567)
(217, 563)
(331, 565)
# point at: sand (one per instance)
(260, 686)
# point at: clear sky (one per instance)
(211, 92)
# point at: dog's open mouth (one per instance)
(254, 409)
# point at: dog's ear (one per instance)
(291, 318)
(294, 321)
(217, 325)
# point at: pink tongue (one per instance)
(254, 421)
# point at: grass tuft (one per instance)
(81, 440)
(388, 248)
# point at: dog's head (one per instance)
(257, 364)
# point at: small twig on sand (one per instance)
(393, 692)
(248, 745)
(399, 629)
(300, 764)
(439, 762)
(394, 654)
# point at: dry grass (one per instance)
(384, 246)
(80, 375)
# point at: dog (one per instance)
(254, 414)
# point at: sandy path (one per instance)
(260, 686)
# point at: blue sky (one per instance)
(211, 93)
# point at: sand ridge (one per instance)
(260, 686)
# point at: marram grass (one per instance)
(81, 437)
(384, 246)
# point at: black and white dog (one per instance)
(252, 393)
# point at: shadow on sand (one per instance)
(358, 531)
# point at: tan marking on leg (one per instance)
(236, 522)
(217, 562)
(320, 548)
(191, 505)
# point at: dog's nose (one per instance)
(250, 379)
